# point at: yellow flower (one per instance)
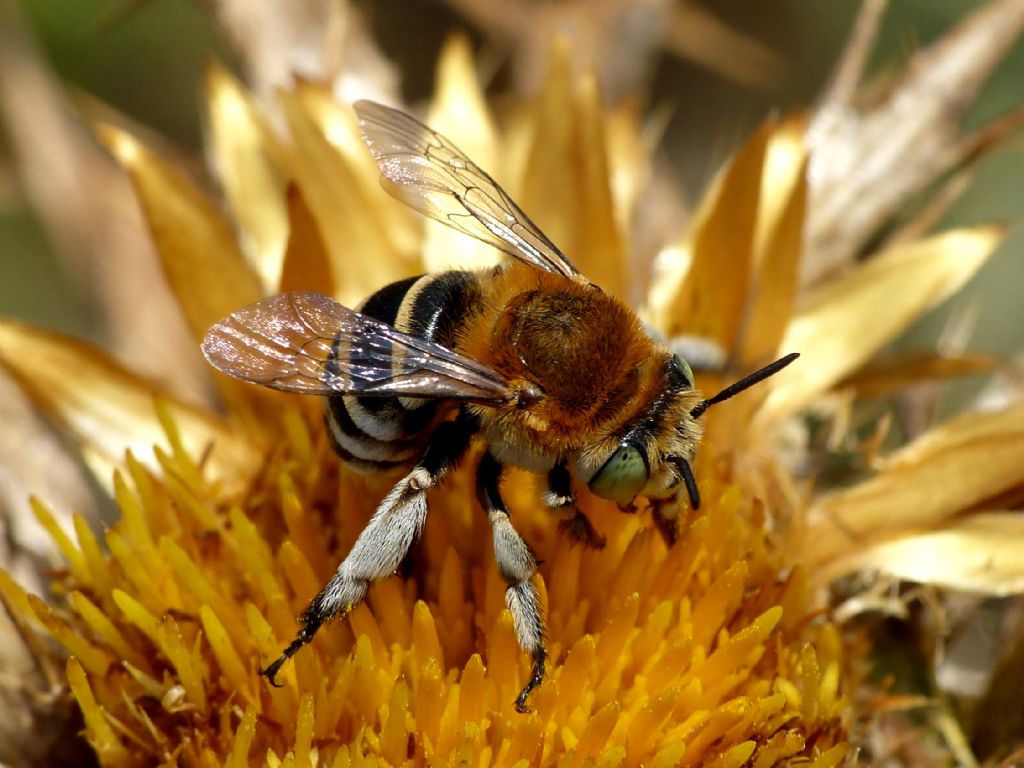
(708, 652)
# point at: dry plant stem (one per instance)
(850, 69)
(874, 159)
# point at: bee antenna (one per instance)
(691, 485)
(747, 381)
(688, 479)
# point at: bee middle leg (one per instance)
(517, 564)
(386, 539)
(560, 497)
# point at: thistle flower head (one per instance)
(712, 651)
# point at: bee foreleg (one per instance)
(517, 564)
(560, 498)
(386, 539)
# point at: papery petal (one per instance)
(778, 244)
(110, 410)
(459, 112)
(708, 299)
(247, 159)
(649, 205)
(839, 326)
(630, 145)
(980, 553)
(307, 264)
(867, 163)
(949, 469)
(367, 234)
(565, 186)
(197, 247)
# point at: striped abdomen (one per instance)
(375, 433)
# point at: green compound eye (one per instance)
(684, 367)
(622, 477)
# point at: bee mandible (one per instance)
(548, 370)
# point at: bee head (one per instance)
(644, 456)
(654, 453)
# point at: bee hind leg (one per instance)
(560, 498)
(517, 565)
(386, 539)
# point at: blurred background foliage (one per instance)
(145, 58)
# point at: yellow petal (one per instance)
(831, 757)
(109, 748)
(94, 659)
(231, 665)
(307, 265)
(735, 757)
(778, 244)
(981, 553)
(16, 601)
(460, 112)
(201, 588)
(186, 662)
(846, 321)
(594, 739)
(247, 160)
(107, 631)
(136, 613)
(197, 248)
(361, 226)
(239, 757)
(782, 745)
(566, 188)
(110, 410)
(100, 578)
(631, 141)
(75, 558)
(708, 299)
(304, 731)
(951, 468)
(199, 256)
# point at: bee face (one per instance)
(647, 456)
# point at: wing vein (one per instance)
(429, 173)
(288, 342)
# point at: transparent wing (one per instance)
(308, 343)
(424, 170)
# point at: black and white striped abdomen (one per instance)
(375, 433)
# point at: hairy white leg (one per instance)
(517, 564)
(386, 539)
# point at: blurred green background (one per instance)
(146, 59)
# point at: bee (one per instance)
(550, 372)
